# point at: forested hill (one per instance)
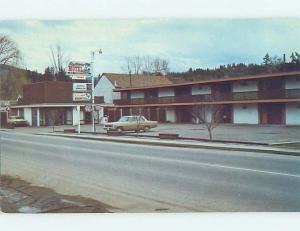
(12, 79)
(232, 70)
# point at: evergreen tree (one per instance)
(48, 76)
(297, 57)
(293, 58)
(267, 59)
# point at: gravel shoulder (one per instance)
(19, 196)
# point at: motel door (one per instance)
(3, 119)
(272, 113)
(34, 116)
(162, 115)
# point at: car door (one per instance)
(132, 124)
(141, 122)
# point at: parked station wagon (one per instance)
(131, 123)
(15, 121)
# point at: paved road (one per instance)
(148, 178)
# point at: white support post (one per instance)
(38, 117)
(78, 114)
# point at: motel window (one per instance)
(21, 112)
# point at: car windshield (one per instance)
(16, 117)
(124, 119)
(132, 119)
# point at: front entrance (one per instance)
(184, 115)
(272, 113)
(3, 119)
(153, 114)
(34, 116)
(225, 113)
(162, 115)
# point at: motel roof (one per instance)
(157, 84)
(122, 81)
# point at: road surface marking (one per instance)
(154, 158)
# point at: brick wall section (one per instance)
(47, 92)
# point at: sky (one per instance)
(185, 43)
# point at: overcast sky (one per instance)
(185, 43)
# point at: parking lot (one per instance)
(248, 133)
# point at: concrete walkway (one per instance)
(267, 134)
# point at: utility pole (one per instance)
(93, 96)
(93, 88)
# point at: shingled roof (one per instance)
(123, 80)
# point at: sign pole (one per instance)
(93, 96)
(78, 115)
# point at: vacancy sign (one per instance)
(82, 87)
(82, 96)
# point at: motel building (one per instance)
(258, 99)
(108, 84)
(53, 103)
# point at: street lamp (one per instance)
(93, 87)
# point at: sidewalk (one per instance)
(181, 143)
(263, 134)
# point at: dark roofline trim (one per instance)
(282, 74)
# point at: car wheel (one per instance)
(147, 128)
(119, 129)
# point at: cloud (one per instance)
(185, 42)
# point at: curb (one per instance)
(189, 138)
(154, 143)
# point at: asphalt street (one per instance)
(141, 178)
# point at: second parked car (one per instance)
(14, 121)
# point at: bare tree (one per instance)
(12, 79)
(133, 65)
(210, 117)
(138, 127)
(58, 62)
(160, 65)
(145, 65)
(9, 53)
(54, 118)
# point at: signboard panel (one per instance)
(82, 96)
(82, 87)
(88, 108)
(79, 68)
(79, 76)
(97, 107)
(4, 109)
(4, 106)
